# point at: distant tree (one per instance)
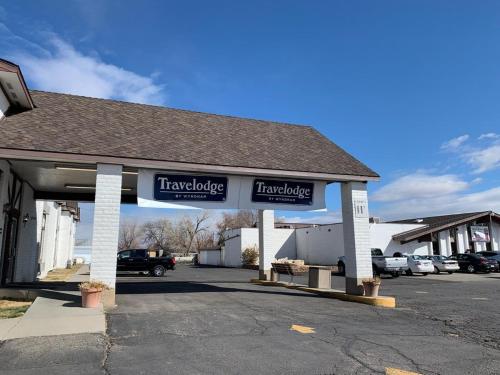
(205, 240)
(129, 236)
(239, 219)
(159, 235)
(187, 230)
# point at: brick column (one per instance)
(106, 227)
(356, 236)
(267, 251)
(462, 239)
(444, 243)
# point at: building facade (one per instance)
(324, 244)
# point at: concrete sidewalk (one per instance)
(55, 312)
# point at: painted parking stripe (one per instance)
(302, 329)
(481, 298)
(421, 292)
(396, 371)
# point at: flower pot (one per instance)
(371, 288)
(91, 298)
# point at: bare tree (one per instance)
(129, 236)
(205, 240)
(239, 219)
(187, 230)
(159, 235)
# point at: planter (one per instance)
(371, 288)
(91, 298)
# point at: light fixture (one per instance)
(71, 168)
(77, 168)
(90, 187)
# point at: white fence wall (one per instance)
(240, 239)
(323, 245)
(210, 257)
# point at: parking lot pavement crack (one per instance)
(107, 351)
(400, 353)
(347, 350)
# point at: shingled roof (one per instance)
(438, 223)
(88, 126)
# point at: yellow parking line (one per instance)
(396, 371)
(302, 329)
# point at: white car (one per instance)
(444, 264)
(419, 264)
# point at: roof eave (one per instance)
(403, 237)
(8, 153)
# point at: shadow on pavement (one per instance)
(193, 287)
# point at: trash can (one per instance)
(320, 277)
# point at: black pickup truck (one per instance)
(138, 260)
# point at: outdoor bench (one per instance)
(290, 269)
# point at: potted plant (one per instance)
(371, 286)
(91, 293)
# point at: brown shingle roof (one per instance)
(81, 125)
(437, 223)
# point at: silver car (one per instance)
(443, 263)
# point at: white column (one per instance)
(106, 225)
(462, 239)
(356, 235)
(430, 248)
(495, 236)
(267, 250)
(479, 246)
(444, 243)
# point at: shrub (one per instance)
(250, 256)
(99, 285)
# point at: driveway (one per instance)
(212, 321)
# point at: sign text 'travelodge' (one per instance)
(282, 191)
(178, 187)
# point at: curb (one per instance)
(380, 301)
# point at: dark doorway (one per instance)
(11, 212)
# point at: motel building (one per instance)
(324, 244)
(67, 148)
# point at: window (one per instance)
(125, 254)
(139, 254)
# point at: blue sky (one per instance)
(411, 88)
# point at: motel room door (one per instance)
(11, 211)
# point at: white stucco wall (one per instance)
(210, 257)
(323, 245)
(240, 239)
(27, 247)
(64, 245)
(49, 237)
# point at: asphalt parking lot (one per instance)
(212, 321)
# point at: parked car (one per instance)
(381, 264)
(491, 255)
(138, 260)
(475, 263)
(443, 263)
(419, 264)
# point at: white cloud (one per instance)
(419, 185)
(327, 218)
(485, 159)
(62, 68)
(454, 203)
(454, 143)
(489, 136)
